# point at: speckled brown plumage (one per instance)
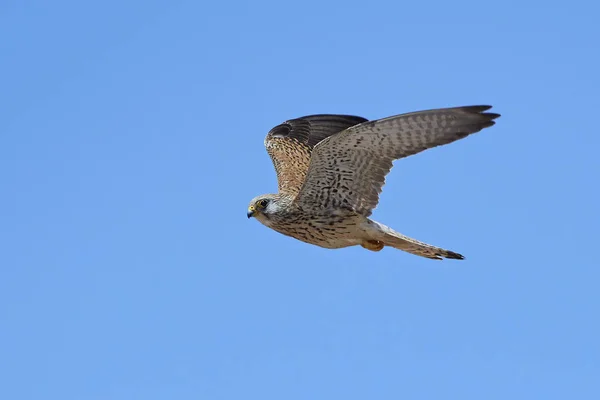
(290, 144)
(331, 170)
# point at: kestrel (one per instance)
(331, 169)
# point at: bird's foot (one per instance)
(373, 245)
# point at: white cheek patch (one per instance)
(272, 208)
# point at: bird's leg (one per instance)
(373, 245)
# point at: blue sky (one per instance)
(131, 141)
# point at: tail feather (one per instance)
(391, 238)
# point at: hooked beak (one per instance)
(250, 212)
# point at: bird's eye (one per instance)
(262, 203)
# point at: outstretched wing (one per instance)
(348, 169)
(290, 145)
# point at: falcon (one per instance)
(331, 169)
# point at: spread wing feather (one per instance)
(348, 169)
(290, 145)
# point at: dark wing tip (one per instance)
(452, 255)
(477, 109)
(311, 129)
(491, 116)
(281, 130)
(440, 255)
(478, 118)
(480, 110)
(485, 124)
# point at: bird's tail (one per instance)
(391, 238)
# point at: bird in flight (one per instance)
(331, 169)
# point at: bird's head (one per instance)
(264, 207)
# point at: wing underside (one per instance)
(348, 169)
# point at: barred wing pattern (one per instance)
(348, 169)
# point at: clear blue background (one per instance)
(131, 141)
